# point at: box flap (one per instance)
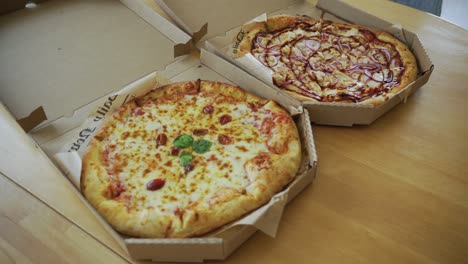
(35, 118)
(64, 54)
(192, 15)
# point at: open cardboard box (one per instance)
(225, 31)
(65, 57)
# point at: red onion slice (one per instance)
(341, 45)
(316, 66)
(331, 67)
(324, 36)
(257, 40)
(370, 66)
(274, 63)
(387, 54)
(376, 53)
(345, 45)
(355, 66)
(312, 44)
(336, 64)
(368, 73)
(389, 77)
(273, 52)
(298, 58)
(261, 59)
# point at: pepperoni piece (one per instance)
(189, 168)
(224, 119)
(155, 184)
(161, 140)
(224, 140)
(200, 132)
(174, 151)
(209, 109)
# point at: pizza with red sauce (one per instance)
(187, 158)
(324, 61)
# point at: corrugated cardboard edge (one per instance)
(191, 45)
(35, 118)
(199, 249)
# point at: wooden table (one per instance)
(392, 192)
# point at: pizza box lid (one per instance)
(342, 114)
(190, 15)
(64, 119)
(61, 55)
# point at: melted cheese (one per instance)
(136, 159)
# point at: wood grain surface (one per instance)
(392, 192)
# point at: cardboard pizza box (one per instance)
(67, 60)
(224, 31)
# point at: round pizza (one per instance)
(187, 158)
(324, 61)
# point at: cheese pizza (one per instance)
(324, 61)
(187, 158)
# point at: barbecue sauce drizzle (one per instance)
(329, 66)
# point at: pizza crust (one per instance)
(250, 31)
(104, 191)
(282, 21)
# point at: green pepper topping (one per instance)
(201, 146)
(183, 141)
(185, 159)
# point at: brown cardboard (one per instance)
(58, 61)
(221, 15)
(190, 46)
(342, 114)
(32, 120)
